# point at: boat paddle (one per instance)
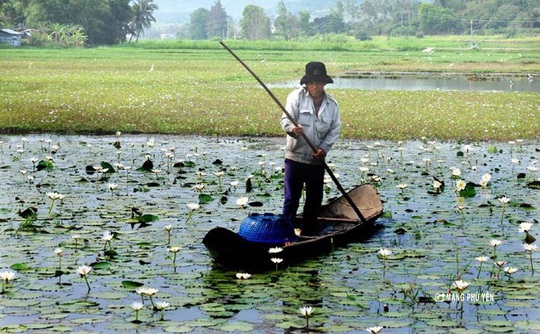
(326, 167)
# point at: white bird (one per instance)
(530, 77)
(151, 68)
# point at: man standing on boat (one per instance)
(317, 115)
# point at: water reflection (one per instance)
(443, 84)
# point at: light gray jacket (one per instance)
(322, 131)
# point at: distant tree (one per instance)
(198, 24)
(332, 23)
(40, 11)
(286, 24)
(143, 17)
(217, 21)
(118, 25)
(437, 20)
(232, 28)
(103, 22)
(255, 23)
(303, 24)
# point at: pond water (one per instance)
(451, 83)
(434, 237)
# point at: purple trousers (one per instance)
(296, 176)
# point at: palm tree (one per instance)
(142, 18)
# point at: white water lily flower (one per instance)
(7, 275)
(495, 242)
(276, 260)
(161, 305)
(482, 258)
(199, 187)
(456, 171)
(107, 236)
(243, 275)
(500, 263)
(384, 252)
(147, 291)
(112, 186)
(174, 249)
(58, 251)
(242, 201)
(525, 227)
(374, 330)
(84, 270)
(530, 248)
(274, 250)
(137, 306)
(193, 206)
(504, 199)
(55, 195)
(510, 270)
(461, 285)
(306, 311)
(460, 185)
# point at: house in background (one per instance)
(10, 36)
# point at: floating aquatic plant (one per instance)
(530, 248)
(495, 243)
(6, 277)
(192, 208)
(243, 275)
(277, 261)
(84, 271)
(242, 201)
(509, 271)
(374, 330)
(59, 252)
(306, 312)
(137, 307)
(149, 292)
(503, 200)
(384, 253)
(112, 187)
(161, 306)
(76, 238)
(481, 260)
(174, 250)
(107, 237)
(54, 196)
(275, 250)
(168, 229)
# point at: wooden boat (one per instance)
(337, 225)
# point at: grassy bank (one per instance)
(187, 87)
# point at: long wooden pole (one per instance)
(326, 167)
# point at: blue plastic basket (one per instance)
(267, 228)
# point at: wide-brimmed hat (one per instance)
(315, 72)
